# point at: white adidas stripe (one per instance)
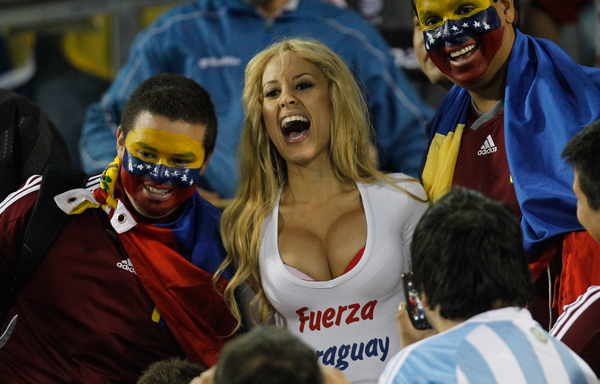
(31, 185)
(574, 310)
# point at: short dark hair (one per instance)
(267, 355)
(582, 152)
(516, 4)
(175, 97)
(171, 371)
(468, 256)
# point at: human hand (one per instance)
(332, 376)
(205, 378)
(408, 333)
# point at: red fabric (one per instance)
(184, 294)
(487, 173)
(563, 11)
(581, 267)
(354, 260)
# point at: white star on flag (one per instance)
(176, 173)
(191, 182)
(140, 167)
(465, 25)
(130, 167)
(426, 45)
(476, 24)
(184, 178)
(148, 166)
(167, 173)
(439, 34)
(486, 26)
(454, 28)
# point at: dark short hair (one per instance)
(267, 355)
(468, 256)
(583, 152)
(175, 97)
(171, 371)
(516, 4)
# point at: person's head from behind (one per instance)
(582, 152)
(171, 371)
(267, 355)
(468, 256)
(303, 105)
(469, 41)
(166, 137)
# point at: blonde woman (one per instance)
(319, 234)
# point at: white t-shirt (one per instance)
(351, 320)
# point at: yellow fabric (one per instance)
(107, 184)
(90, 51)
(440, 164)
(20, 46)
(155, 315)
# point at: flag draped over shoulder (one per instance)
(175, 263)
(548, 99)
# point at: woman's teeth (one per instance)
(455, 54)
(291, 119)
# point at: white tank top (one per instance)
(351, 320)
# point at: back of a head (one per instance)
(267, 355)
(468, 256)
(582, 152)
(175, 97)
(171, 371)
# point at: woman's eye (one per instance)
(304, 85)
(272, 93)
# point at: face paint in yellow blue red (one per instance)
(461, 37)
(160, 170)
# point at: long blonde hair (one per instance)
(264, 172)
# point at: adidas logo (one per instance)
(487, 147)
(126, 265)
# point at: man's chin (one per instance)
(154, 211)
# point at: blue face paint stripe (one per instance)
(160, 174)
(456, 32)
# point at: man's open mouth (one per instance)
(294, 127)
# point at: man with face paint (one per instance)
(516, 102)
(129, 281)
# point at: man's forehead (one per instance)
(447, 4)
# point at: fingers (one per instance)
(333, 376)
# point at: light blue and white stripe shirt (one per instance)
(499, 346)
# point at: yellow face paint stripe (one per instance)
(165, 148)
(446, 10)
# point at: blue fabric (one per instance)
(211, 41)
(484, 346)
(198, 235)
(548, 99)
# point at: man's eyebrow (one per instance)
(146, 146)
(185, 155)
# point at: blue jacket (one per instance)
(211, 41)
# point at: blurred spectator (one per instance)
(471, 273)
(269, 355)
(172, 371)
(29, 140)
(579, 325)
(213, 40)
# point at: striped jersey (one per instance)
(499, 346)
(579, 327)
